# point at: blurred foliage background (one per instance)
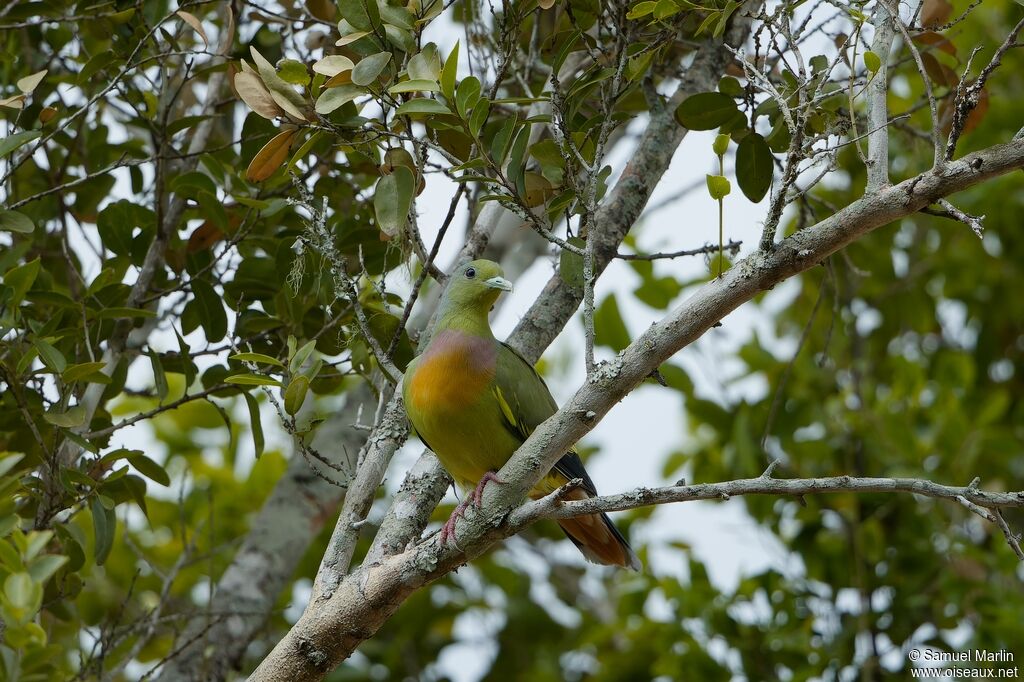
(907, 352)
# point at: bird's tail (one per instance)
(598, 538)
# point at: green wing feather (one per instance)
(526, 403)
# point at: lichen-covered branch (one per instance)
(328, 632)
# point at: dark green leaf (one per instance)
(393, 199)
(211, 310)
(13, 221)
(255, 424)
(295, 394)
(104, 526)
(754, 167)
(705, 110)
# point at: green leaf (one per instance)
(370, 67)
(8, 462)
(295, 394)
(81, 371)
(21, 278)
(754, 167)
(718, 186)
(730, 86)
(502, 140)
(362, 14)
(186, 362)
(299, 357)
(467, 95)
(192, 183)
(104, 525)
(425, 65)
(256, 357)
(256, 425)
(13, 221)
(449, 72)
(721, 144)
(42, 568)
(149, 469)
(609, 329)
(18, 588)
(570, 265)
(393, 199)
(251, 380)
(71, 419)
(333, 98)
(50, 356)
(413, 86)
(294, 72)
(211, 310)
(706, 110)
(422, 105)
(872, 61)
(12, 142)
(159, 376)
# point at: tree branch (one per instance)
(329, 631)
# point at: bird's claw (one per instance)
(474, 499)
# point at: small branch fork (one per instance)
(987, 505)
(948, 210)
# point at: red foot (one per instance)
(474, 499)
(478, 491)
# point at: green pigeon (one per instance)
(473, 401)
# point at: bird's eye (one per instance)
(470, 273)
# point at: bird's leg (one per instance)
(448, 529)
(474, 499)
(477, 496)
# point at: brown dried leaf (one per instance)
(192, 21)
(271, 157)
(46, 114)
(936, 40)
(934, 12)
(939, 72)
(977, 115)
(204, 237)
(250, 88)
(322, 9)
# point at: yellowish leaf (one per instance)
(250, 88)
(351, 38)
(16, 102)
(342, 78)
(29, 83)
(332, 65)
(546, 4)
(192, 21)
(271, 157)
(292, 102)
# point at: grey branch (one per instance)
(551, 508)
(330, 631)
(878, 94)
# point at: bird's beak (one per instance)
(499, 283)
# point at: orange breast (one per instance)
(451, 375)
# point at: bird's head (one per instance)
(477, 285)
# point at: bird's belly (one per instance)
(468, 442)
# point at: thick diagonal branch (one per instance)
(328, 632)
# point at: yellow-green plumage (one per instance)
(474, 401)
